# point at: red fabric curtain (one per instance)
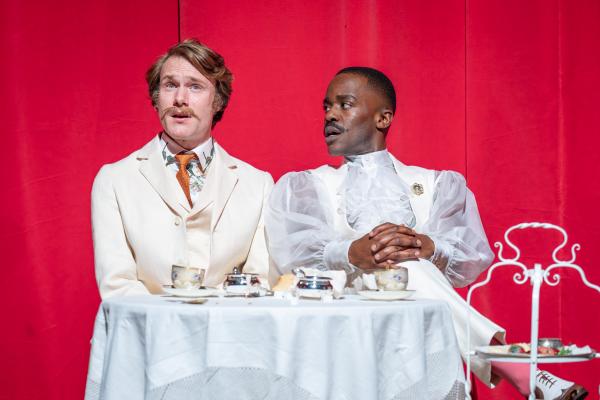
(504, 92)
(72, 74)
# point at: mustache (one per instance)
(178, 110)
(336, 126)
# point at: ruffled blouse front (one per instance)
(374, 193)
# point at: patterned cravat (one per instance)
(183, 177)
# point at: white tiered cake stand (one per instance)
(536, 275)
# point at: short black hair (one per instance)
(376, 80)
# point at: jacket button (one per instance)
(177, 221)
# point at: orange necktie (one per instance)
(183, 177)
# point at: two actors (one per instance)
(183, 199)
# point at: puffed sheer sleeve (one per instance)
(299, 226)
(461, 247)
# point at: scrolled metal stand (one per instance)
(537, 276)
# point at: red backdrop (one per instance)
(506, 92)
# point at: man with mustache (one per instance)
(374, 212)
(180, 199)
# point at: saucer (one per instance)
(206, 292)
(312, 293)
(386, 295)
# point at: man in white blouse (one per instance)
(180, 199)
(374, 212)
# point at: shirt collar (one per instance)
(374, 159)
(205, 152)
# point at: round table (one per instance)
(154, 347)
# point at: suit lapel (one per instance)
(420, 203)
(401, 171)
(207, 194)
(225, 178)
(152, 166)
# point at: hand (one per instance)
(361, 255)
(395, 243)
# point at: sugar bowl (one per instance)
(316, 287)
(241, 283)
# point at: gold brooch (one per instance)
(417, 189)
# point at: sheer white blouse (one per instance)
(311, 224)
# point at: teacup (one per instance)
(395, 278)
(186, 277)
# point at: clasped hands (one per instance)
(388, 244)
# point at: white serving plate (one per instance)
(501, 351)
(386, 295)
(206, 292)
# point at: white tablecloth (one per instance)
(266, 348)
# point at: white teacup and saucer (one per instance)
(187, 282)
(387, 284)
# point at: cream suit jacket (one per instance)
(139, 215)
